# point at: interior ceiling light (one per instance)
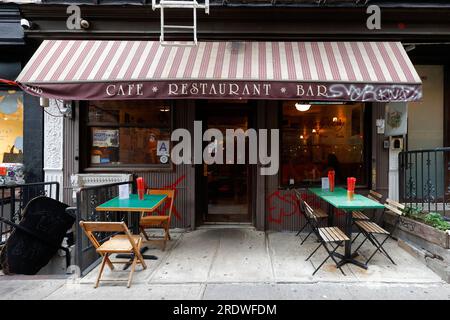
(302, 107)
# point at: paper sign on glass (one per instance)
(162, 148)
(124, 191)
(105, 138)
(325, 184)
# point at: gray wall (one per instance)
(380, 155)
(33, 139)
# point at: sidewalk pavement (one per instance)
(243, 264)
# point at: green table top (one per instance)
(339, 200)
(338, 191)
(150, 203)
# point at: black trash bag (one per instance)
(37, 238)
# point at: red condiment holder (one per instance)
(140, 187)
(351, 182)
(331, 175)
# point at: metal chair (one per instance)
(326, 235)
(360, 216)
(317, 213)
(371, 229)
(159, 221)
(120, 243)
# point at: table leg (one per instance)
(330, 215)
(348, 256)
(348, 232)
(133, 220)
(349, 260)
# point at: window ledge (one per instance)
(128, 169)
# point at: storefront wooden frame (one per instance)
(84, 145)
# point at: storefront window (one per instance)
(321, 138)
(11, 127)
(129, 133)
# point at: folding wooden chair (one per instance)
(121, 243)
(159, 221)
(360, 216)
(318, 213)
(370, 229)
(327, 235)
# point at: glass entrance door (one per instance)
(226, 186)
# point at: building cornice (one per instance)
(141, 22)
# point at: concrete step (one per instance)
(432, 261)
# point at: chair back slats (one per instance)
(309, 211)
(167, 192)
(375, 196)
(393, 209)
(395, 204)
(90, 227)
(170, 193)
(94, 226)
(301, 204)
(298, 195)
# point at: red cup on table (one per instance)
(331, 175)
(140, 188)
(351, 182)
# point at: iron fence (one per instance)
(425, 179)
(15, 197)
(87, 199)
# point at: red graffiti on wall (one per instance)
(281, 206)
(166, 206)
(286, 205)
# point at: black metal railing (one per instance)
(15, 197)
(425, 179)
(87, 199)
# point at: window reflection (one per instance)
(129, 133)
(11, 127)
(322, 138)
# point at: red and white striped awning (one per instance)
(336, 71)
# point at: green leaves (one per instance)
(433, 219)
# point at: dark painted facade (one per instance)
(272, 208)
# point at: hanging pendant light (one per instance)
(302, 107)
